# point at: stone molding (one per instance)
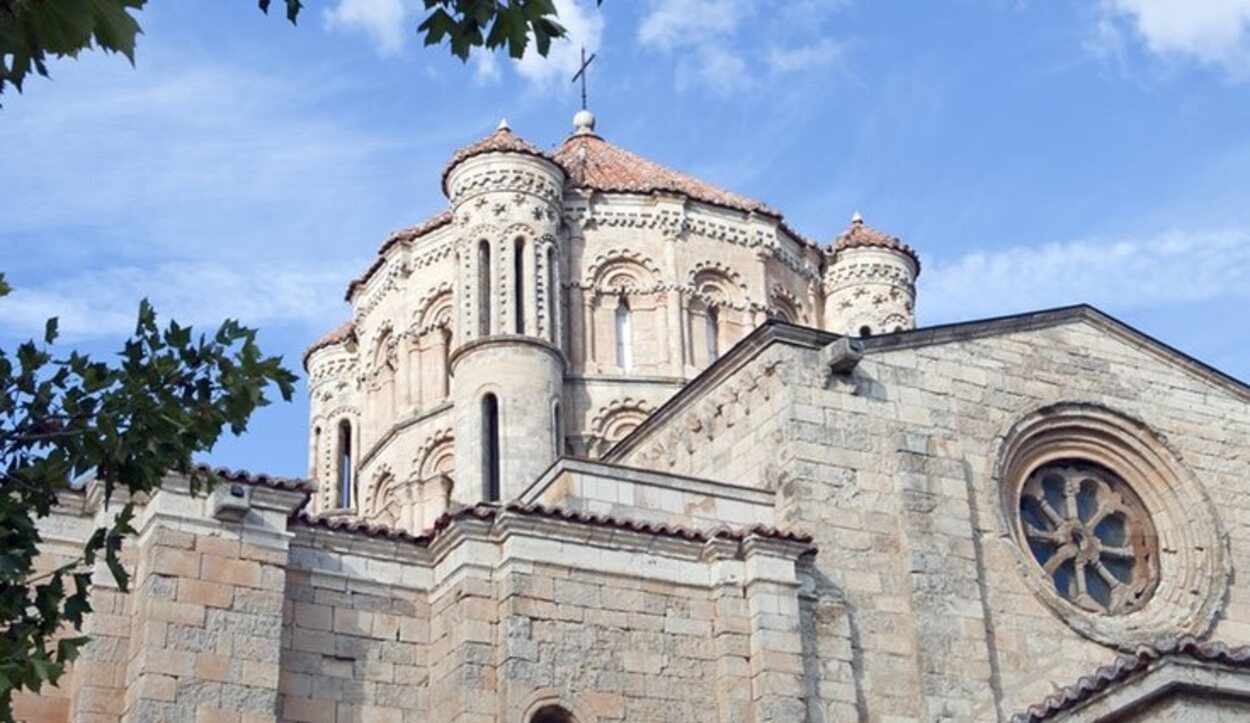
(1195, 570)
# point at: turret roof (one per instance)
(340, 334)
(860, 234)
(502, 140)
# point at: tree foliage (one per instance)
(128, 423)
(31, 31)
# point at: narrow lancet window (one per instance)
(518, 281)
(483, 288)
(553, 295)
(557, 430)
(713, 335)
(490, 448)
(345, 465)
(624, 336)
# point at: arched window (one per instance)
(552, 714)
(445, 350)
(713, 335)
(624, 336)
(553, 294)
(865, 331)
(316, 453)
(518, 283)
(345, 465)
(557, 427)
(483, 288)
(490, 448)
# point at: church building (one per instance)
(603, 442)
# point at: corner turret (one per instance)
(869, 282)
(508, 367)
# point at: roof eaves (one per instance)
(774, 331)
(1129, 667)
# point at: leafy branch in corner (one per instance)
(128, 424)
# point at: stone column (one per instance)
(207, 606)
(772, 588)
(731, 633)
(676, 347)
(464, 613)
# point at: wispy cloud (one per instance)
(1210, 32)
(385, 21)
(213, 190)
(1175, 268)
(104, 302)
(730, 45)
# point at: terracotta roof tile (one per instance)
(257, 479)
(860, 234)
(339, 334)
(438, 220)
(485, 511)
(1129, 666)
(411, 233)
(503, 140)
(593, 163)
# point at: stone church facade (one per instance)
(602, 442)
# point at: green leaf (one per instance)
(115, 29)
(49, 330)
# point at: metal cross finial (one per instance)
(581, 73)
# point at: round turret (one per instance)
(508, 367)
(335, 415)
(870, 283)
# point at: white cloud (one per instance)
(730, 45)
(1169, 269)
(823, 53)
(1212, 32)
(485, 67)
(104, 303)
(385, 21)
(678, 23)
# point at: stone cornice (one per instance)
(776, 332)
(399, 427)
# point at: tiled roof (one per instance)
(503, 140)
(593, 163)
(485, 511)
(257, 479)
(436, 221)
(860, 234)
(1129, 666)
(341, 333)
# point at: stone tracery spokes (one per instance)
(1090, 535)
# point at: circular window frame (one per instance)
(1193, 563)
(1070, 502)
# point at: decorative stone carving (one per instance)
(1091, 534)
(1146, 483)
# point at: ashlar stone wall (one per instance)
(894, 468)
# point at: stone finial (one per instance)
(857, 217)
(503, 125)
(583, 123)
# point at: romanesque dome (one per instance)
(595, 164)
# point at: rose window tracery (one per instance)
(1091, 535)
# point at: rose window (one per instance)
(1091, 535)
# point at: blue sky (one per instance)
(1035, 153)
